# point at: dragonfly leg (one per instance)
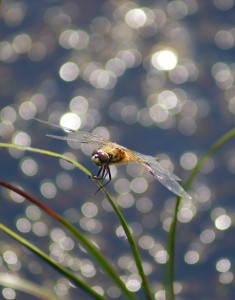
(105, 172)
(100, 174)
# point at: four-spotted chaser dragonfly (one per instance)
(109, 153)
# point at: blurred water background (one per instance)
(155, 76)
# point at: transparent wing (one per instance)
(77, 136)
(168, 179)
(83, 138)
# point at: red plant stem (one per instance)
(30, 198)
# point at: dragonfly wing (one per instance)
(83, 139)
(168, 179)
(54, 125)
(77, 136)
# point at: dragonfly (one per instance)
(108, 153)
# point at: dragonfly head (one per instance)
(100, 157)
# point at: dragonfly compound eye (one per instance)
(100, 157)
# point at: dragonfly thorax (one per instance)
(100, 157)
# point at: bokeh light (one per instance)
(69, 71)
(157, 78)
(164, 60)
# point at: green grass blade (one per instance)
(99, 258)
(51, 262)
(133, 246)
(116, 210)
(169, 267)
(82, 239)
(46, 152)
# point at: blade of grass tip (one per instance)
(132, 244)
(169, 268)
(83, 240)
(223, 139)
(51, 262)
